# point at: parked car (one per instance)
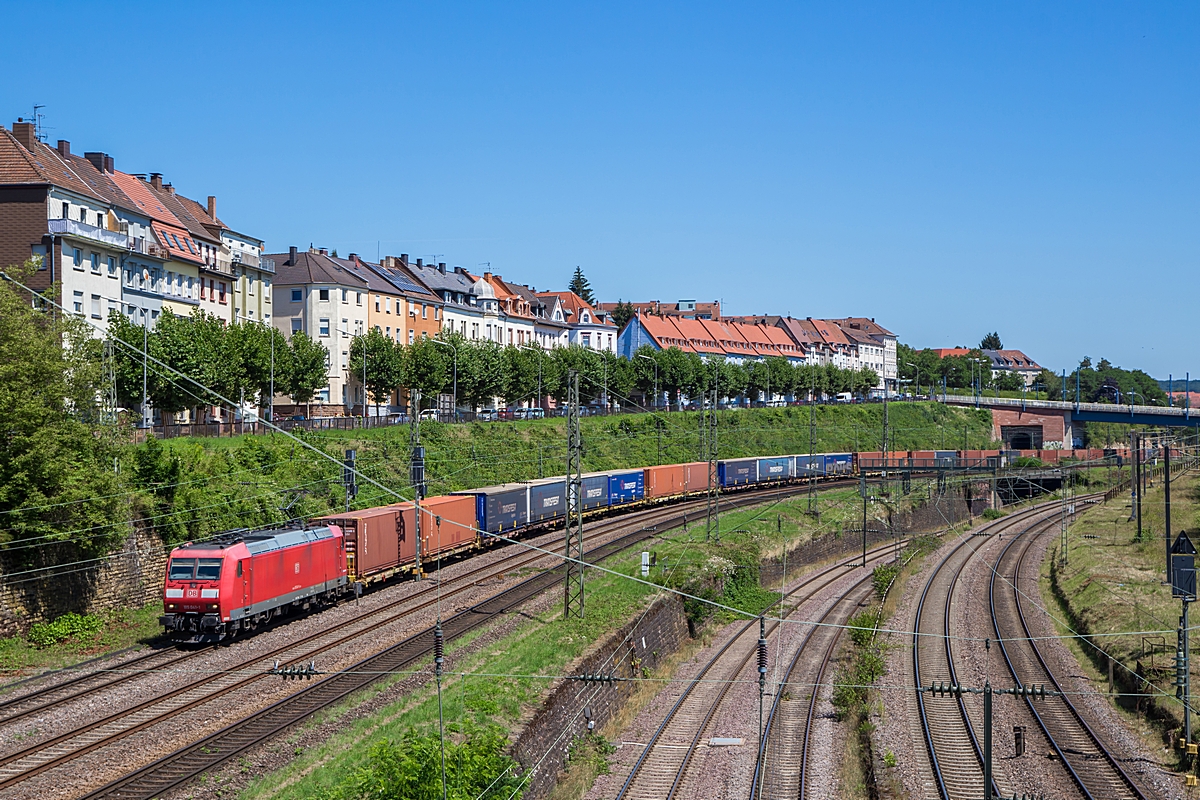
(430, 414)
(487, 415)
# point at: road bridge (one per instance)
(1031, 424)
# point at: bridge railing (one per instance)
(1067, 405)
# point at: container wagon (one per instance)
(501, 509)
(447, 525)
(839, 463)
(547, 499)
(779, 468)
(626, 487)
(738, 472)
(375, 545)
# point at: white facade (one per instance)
(317, 310)
(91, 249)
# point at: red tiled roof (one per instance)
(178, 242)
(573, 304)
(829, 331)
(664, 332)
(942, 352)
(698, 335)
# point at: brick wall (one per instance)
(1053, 425)
(541, 746)
(22, 225)
(131, 578)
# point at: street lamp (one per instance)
(271, 399)
(540, 353)
(917, 371)
(655, 363)
(455, 351)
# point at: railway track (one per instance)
(99, 732)
(1091, 765)
(662, 770)
(189, 761)
(789, 732)
(954, 751)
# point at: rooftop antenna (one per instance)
(38, 116)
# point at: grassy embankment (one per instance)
(1112, 590)
(498, 688)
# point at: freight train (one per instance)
(230, 585)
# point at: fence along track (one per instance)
(955, 754)
(1090, 764)
(184, 764)
(660, 771)
(784, 772)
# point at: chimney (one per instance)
(212, 206)
(324, 251)
(101, 161)
(156, 180)
(487, 276)
(353, 257)
(291, 256)
(404, 259)
(24, 133)
(420, 262)
(170, 189)
(64, 148)
(442, 267)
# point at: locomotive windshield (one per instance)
(209, 569)
(182, 569)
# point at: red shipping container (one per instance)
(923, 454)
(666, 480)
(1050, 456)
(695, 476)
(374, 549)
(447, 524)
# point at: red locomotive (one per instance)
(217, 589)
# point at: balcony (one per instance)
(146, 248)
(245, 259)
(69, 227)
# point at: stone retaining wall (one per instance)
(541, 747)
(130, 577)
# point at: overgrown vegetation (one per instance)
(67, 641)
(475, 764)
(77, 627)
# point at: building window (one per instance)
(345, 329)
(295, 325)
(324, 326)
(297, 295)
(324, 295)
(388, 331)
(77, 258)
(112, 267)
(112, 307)
(250, 283)
(345, 295)
(412, 335)
(95, 306)
(387, 305)
(222, 287)
(424, 312)
(96, 263)
(79, 303)
(358, 298)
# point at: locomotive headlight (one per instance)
(170, 605)
(213, 606)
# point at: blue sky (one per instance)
(949, 169)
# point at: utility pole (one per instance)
(416, 464)
(1062, 537)
(146, 418)
(110, 383)
(1167, 505)
(573, 569)
(713, 510)
(349, 478)
(812, 446)
(862, 489)
(1137, 497)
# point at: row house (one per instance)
(586, 326)
(848, 343)
(461, 312)
(90, 239)
(328, 299)
(736, 342)
(423, 308)
(550, 326)
(1001, 361)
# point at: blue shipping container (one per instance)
(626, 487)
(501, 508)
(547, 499)
(775, 469)
(808, 466)
(736, 473)
(595, 491)
(839, 463)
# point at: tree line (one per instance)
(241, 361)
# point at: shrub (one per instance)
(993, 513)
(883, 576)
(73, 626)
